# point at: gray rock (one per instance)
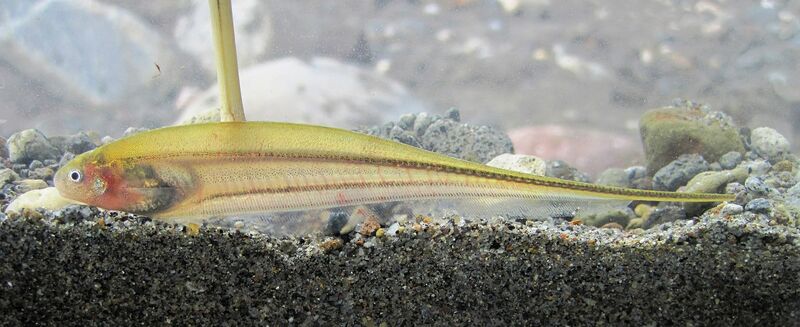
(468, 142)
(453, 114)
(562, 170)
(35, 164)
(636, 172)
(406, 121)
(637, 177)
(446, 136)
(759, 205)
(769, 144)
(730, 160)
(614, 177)
(678, 172)
(29, 145)
(731, 209)
(756, 186)
(76, 144)
(757, 167)
(421, 123)
(739, 190)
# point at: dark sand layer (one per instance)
(732, 271)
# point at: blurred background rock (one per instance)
(531, 67)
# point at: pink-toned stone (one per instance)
(591, 151)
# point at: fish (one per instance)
(190, 173)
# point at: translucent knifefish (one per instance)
(193, 172)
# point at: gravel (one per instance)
(120, 270)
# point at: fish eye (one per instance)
(75, 176)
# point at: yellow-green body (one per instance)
(238, 168)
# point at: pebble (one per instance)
(635, 223)
(711, 182)
(369, 226)
(445, 135)
(737, 189)
(643, 210)
(714, 181)
(678, 172)
(77, 143)
(453, 114)
(8, 176)
(47, 198)
(783, 165)
(421, 123)
(464, 141)
(25, 185)
(35, 164)
(758, 167)
(613, 225)
(730, 209)
(614, 177)
(74, 213)
(562, 170)
(755, 185)
(636, 172)
(637, 177)
(664, 215)
(759, 205)
(406, 121)
(619, 216)
(393, 229)
(686, 128)
(520, 162)
(44, 173)
(769, 144)
(29, 145)
(331, 243)
(730, 160)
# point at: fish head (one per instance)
(110, 184)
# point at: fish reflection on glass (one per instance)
(193, 172)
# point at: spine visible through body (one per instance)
(225, 186)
